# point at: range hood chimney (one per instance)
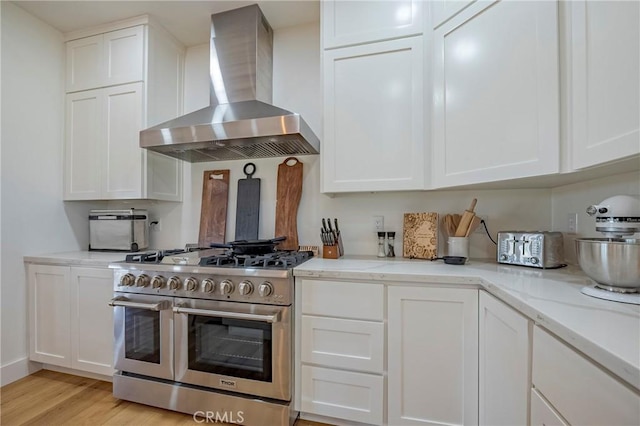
(240, 123)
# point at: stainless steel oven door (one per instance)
(143, 332)
(238, 347)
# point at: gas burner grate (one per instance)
(157, 255)
(275, 260)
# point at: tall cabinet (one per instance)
(121, 78)
(374, 115)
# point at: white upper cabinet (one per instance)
(605, 66)
(103, 158)
(496, 93)
(374, 117)
(442, 10)
(347, 23)
(108, 59)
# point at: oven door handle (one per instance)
(273, 318)
(123, 301)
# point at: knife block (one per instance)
(330, 252)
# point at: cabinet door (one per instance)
(123, 56)
(373, 112)
(83, 145)
(496, 98)
(354, 22)
(505, 359)
(122, 118)
(49, 304)
(85, 63)
(433, 356)
(605, 85)
(92, 320)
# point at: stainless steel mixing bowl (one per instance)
(611, 262)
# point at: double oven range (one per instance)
(207, 333)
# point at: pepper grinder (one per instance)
(381, 251)
(391, 239)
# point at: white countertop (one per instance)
(607, 332)
(77, 258)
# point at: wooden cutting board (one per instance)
(248, 205)
(213, 213)
(288, 197)
(420, 239)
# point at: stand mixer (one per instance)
(613, 262)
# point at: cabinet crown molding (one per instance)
(105, 28)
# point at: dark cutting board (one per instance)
(288, 197)
(248, 205)
(213, 213)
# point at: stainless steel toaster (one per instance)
(119, 230)
(538, 249)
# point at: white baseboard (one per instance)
(77, 372)
(16, 370)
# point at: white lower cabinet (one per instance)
(70, 322)
(343, 394)
(580, 391)
(504, 363)
(340, 350)
(432, 356)
(49, 319)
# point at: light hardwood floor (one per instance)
(52, 398)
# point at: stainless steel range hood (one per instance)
(240, 123)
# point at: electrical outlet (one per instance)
(572, 223)
(155, 226)
(480, 228)
(378, 223)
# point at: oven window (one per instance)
(237, 348)
(142, 335)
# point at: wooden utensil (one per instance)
(473, 226)
(213, 212)
(288, 197)
(248, 205)
(466, 219)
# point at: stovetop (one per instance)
(282, 259)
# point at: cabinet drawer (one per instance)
(343, 299)
(345, 395)
(542, 414)
(581, 391)
(341, 343)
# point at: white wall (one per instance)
(34, 218)
(577, 197)
(297, 87)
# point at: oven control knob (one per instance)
(504, 257)
(245, 288)
(226, 287)
(175, 283)
(142, 280)
(208, 285)
(127, 280)
(265, 289)
(191, 283)
(534, 260)
(158, 281)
